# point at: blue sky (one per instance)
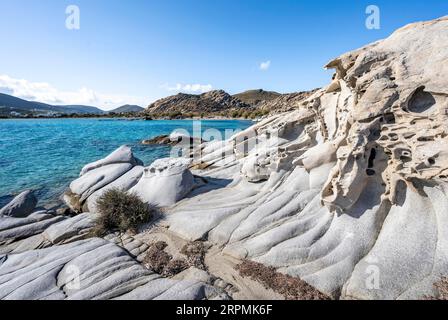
(139, 50)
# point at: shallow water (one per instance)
(46, 154)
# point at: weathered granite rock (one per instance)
(121, 155)
(88, 269)
(13, 230)
(119, 169)
(163, 139)
(348, 191)
(193, 273)
(351, 196)
(165, 182)
(173, 139)
(96, 179)
(125, 182)
(76, 227)
(21, 206)
(42, 229)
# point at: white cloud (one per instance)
(265, 65)
(193, 88)
(46, 93)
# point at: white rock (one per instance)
(21, 206)
(13, 230)
(85, 270)
(69, 228)
(165, 182)
(96, 179)
(124, 183)
(358, 183)
(121, 155)
(193, 273)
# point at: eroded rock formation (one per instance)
(118, 170)
(165, 182)
(348, 191)
(354, 181)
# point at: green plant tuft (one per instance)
(122, 211)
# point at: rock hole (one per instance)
(393, 137)
(372, 158)
(405, 158)
(425, 139)
(421, 101)
(389, 118)
(375, 134)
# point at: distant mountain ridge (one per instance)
(284, 102)
(252, 103)
(14, 103)
(127, 108)
(209, 102)
(254, 97)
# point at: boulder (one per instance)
(78, 227)
(165, 182)
(96, 179)
(174, 139)
(121, 155)
(13, 231)
(115, 169)
(21, 206)
(125, 182)
(163, 139)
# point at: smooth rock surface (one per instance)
(124, 183)
(121, 155)
(347, 191)
(119, 169)
(84, 270)
(21, 206)
(165, 182)
(353, 183)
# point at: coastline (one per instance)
(134, 118)
(53, 150)
(341, 196)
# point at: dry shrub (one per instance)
(174, 267)
(163, 263)
(442, 288)
(195, 253)
(290, 287)
(119, 210)
(156, 258)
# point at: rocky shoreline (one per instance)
(343, 197)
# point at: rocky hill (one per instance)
(284, 102)
(208, 103)
(252, 103)
(127, 108)
(254, 97)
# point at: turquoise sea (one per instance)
(47, 154)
